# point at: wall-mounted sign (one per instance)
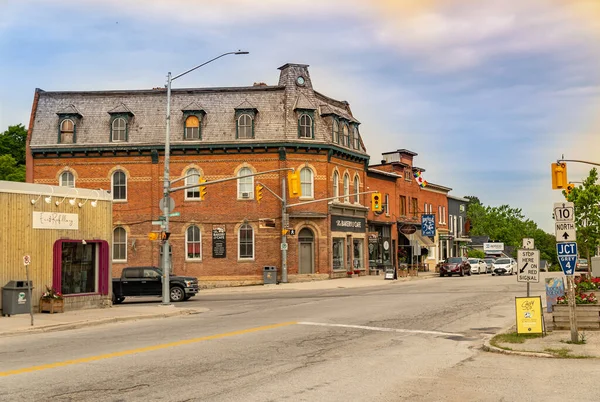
(408, 229)
(498, 247)
(55, 220)
(219, 244)
(347, 224)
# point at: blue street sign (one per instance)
(567, 256)
(428, 224)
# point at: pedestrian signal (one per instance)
(165, 235)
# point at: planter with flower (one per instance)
(52, 301)
(587, 312)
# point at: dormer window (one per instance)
(68, 118)
(305, 125)
(119, 130)
(192, 128)
(245, 126)
(355, 138)
(336, 132)
(120, 117)
(67, 131)
(345, 135)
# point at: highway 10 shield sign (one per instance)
(528, 265)
(567, 256)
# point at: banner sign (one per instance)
(55, 220)
(219, 244)
(347, 224)
(530, 319)
(555, 288)
(428, 224)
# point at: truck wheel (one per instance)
(177, 294)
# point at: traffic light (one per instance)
(202, 188)
(559, 176)
(153, 235)
(293, 180)
(569, 188)
(376, 202)
(165, 235)
(259, 190)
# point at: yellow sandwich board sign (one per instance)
(530, 319)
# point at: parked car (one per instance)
(488, 263)
(504, 266)
(478, 266)
(581, 265)
(147, 281)
(455, 265)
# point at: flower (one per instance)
(51, 294)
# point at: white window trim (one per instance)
(186, 244)
(239, 192)
(112, 186)
(336, 186)
(60, 178)
(185, 192)
(356, 190)
(312, 184)
(347, 188)
(113, 245)
(239, 244)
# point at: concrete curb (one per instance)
(493, 349)
(91, 323)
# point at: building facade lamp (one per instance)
(73, 200)
(94, 203)
(47, 199)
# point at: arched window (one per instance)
(119, 244)
(355, 137)
(193, 178)
(192, 128)
(67, 131)
(245, 126)
(345, 135)
(246, 242)
(346, 188)
(67, 179)
(193, 243)
(119, 185)
(245, 184)
(119, 129)
(305, 126)
(336, 132)
(356, 190)
(306, 182)
(336, 189)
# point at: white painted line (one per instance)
(409, 331)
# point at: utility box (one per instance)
(15, 298)
(269, 275)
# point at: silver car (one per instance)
(489, 262)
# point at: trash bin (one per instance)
(15, 298)
(269, 275)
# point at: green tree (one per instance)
(12, 142)
(476, 254)
(586, 199)
(9, 170)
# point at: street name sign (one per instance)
(528, 244)
(528, 265)
(564, 211)
(565, 231)
(567, 256)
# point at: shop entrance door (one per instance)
(306, 241)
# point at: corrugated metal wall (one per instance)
(18, 238)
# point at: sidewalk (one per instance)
(553, 345)
(20, 324)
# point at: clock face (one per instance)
(300, 80)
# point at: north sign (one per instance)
(567, 256)
(565, 231)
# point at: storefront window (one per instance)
(338, 253)
(358, 247)
(380, 250)
(78, 273)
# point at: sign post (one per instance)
(26, 262)
(566, 249)
(528, 267)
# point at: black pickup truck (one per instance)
(147, 281)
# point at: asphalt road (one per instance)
(417, 341)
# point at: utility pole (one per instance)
(284, 226)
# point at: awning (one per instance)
(424, 241)
(463, 240)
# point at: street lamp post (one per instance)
(167, 184)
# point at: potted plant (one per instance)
(51, 301)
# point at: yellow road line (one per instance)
(141, 350)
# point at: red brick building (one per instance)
(115, 140)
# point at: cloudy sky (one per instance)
(487, 92)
